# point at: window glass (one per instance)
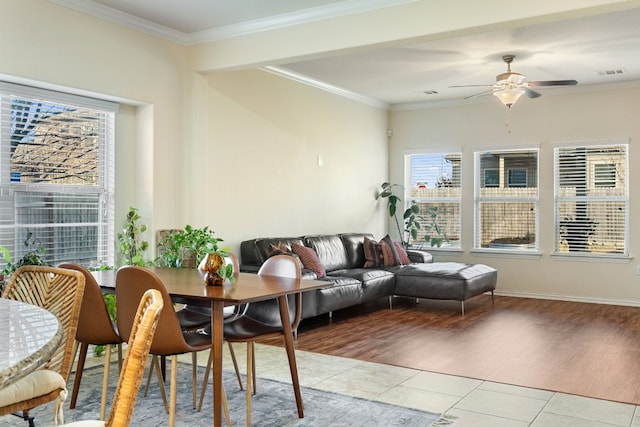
(506, 214)
(434, 187)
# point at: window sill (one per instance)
(507, 253)
(585, 257)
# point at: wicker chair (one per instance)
(94, 327)
(142, 332)
(60, 292)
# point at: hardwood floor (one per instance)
(590, 350)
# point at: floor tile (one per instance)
(517, 390)
(474, 419)
(419, 399)
(547, 419)
(502, 405)
(603, 411)
(441, 383)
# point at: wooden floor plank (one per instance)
(586, 349)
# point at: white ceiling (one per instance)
(583, 49)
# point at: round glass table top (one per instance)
(29, 335)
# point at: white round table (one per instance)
(29, 335)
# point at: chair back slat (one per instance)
(142, 333)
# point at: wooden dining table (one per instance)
(186, 285)
(29, 335)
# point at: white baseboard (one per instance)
(571, 298)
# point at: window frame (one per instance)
(101, 194)
(590, 181)
(409, 198)
(479, 200)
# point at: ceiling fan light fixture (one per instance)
(509, 96)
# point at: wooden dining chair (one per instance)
(170, 339)
(59, 291)
(142, 333)
(94, 327)
(262, 320)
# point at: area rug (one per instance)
(273, 406)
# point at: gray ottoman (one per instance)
(445, 281)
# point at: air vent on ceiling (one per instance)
(612, 72)
(430, 92)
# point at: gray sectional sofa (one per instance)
(343, 259)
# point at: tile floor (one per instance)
(474, 403)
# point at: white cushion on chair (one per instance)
(37, 383)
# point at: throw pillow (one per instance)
(378, 254)
(394, 258)
(283, 249)
(404, 256)
(309, 259)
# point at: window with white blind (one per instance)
(56, 175)
(506, 200)
(434, 186)
(591, 199)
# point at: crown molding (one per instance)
(304, 16)
(301, 78)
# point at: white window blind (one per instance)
(434, 185)
(506, 200)
(591, 199)
(56, 175)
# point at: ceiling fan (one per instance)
(510, 86)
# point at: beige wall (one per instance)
(540, 122)
(257, 173)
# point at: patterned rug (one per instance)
(273, 406)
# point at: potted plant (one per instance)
(188, 247)
(131, 244)
(434, 233)
(410, 215)
(33, 256)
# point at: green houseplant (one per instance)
(130, 240)
(188, 247)
(411, 225)
(33, 256)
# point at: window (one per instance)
(56, 175)
(434, 186)
(591, 199)
(506, 207)
(517, 178)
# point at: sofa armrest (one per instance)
(419, 256)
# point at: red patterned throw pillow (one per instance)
(402, 254)
(380, 254)
(283, 249)
(309, 259)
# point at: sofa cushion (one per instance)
(309, 259)
(354, 246)
(330, 251)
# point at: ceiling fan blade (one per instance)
(531, 93)
(479, 93)
(554, 83)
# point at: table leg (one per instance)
(288, 342)
(217, 308)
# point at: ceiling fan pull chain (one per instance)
(507, 118)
